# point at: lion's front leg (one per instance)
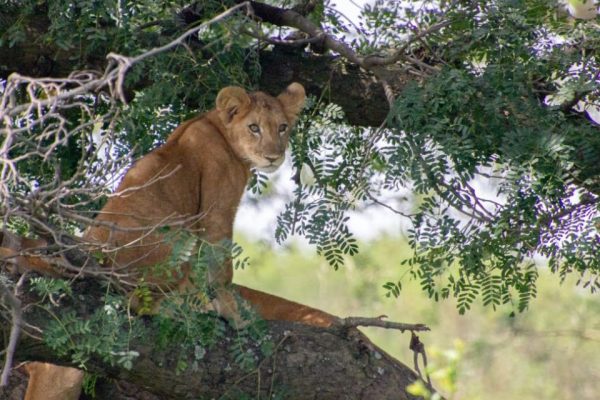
(216, 228)
(224, 301)
(229, 307)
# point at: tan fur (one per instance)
(13, 250)
(274, 308)
(199, 175)
(51, 382)
(201, 171)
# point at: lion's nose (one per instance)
(272, 157)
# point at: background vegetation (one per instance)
(550, 352)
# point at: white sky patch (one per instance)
(350, 10)
(257, 216)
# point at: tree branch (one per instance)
(15, 328)
(308, 362)
(379, 322)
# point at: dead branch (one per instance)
(15, 304)
(417, 348)
(353, 322)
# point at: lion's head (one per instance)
(258, 125)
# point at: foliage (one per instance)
(105, 334)
(318, 212)
(183, 325)
(485, 117)
(501, 170)
(89, 384)
(49, 287)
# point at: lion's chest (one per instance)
(221, 191)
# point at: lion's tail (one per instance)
(17, 252)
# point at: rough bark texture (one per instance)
(308, 363)
(352, 88)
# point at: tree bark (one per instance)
(307, 363)
(356, 90)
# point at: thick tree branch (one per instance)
(308, 362)
(354, 88)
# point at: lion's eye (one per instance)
(254, 128)
(282, 128)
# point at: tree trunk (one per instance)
(307, 363)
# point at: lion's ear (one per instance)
(292, 99)
(231, 100)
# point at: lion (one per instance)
(194, 181)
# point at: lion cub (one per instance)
(194, 181)
(197, 179)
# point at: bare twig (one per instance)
(387, 206)
(15, 305)
(353, 322)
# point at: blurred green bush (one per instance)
(551, 351)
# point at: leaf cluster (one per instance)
(485, 117)
(319, 210)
